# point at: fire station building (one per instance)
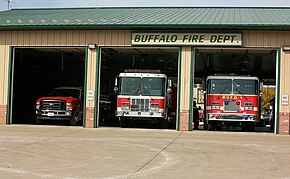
(41, 49)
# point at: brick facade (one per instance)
(284, 123)
(89, 117)
(184, 120)
(3, 114)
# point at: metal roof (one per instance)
(169, 18)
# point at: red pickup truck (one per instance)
(64, 103)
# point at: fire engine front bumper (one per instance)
(232, 118)
(140, 114)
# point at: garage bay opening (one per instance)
(47, 85)
(137, 86)
(235, 88)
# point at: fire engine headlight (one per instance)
(215, 105)
(37, 105)
(68, 106)
(125, 106)
(154, 107)
(248, 106)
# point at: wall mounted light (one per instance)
(92, 46)
(286, 48)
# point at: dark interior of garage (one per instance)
(36, 71)
(116, 60)
(254, 62)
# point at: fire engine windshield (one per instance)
(244, 86)
(232, 86)
(146, 86)
(219, 86)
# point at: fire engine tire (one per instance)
(251, 127)
(210, 127)
(74, 119)
(123, 122)
(163, 124)
(218, 128)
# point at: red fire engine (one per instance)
(143, 95)
(232, 101)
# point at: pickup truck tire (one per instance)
(38, 121)
(75, 119)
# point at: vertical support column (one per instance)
(90, 79)
(283, 90)
(185, 95)
(9, 81)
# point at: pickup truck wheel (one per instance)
(75, 118)
(38, 121)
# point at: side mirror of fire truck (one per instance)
(116, 89)
(261, 87)
(169, 90)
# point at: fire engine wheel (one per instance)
(123, 122)
(210, 126)
(74, 119)
(163, 124)
(250, 127)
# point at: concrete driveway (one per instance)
(31, 151)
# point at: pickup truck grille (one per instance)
(53, 104)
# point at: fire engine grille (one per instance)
(53, 104)
(231, 106)
(140, 105)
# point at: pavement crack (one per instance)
(147, 163)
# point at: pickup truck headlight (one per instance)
(37, 105)
(68, 106)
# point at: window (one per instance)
(219, 86)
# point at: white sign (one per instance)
(209, 39)
(285, 100)
(91, 95)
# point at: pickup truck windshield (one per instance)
(146, 86)
(66, 92)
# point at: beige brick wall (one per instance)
(89, 117)
(284, 123)
(184, 120)
(2, 114)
